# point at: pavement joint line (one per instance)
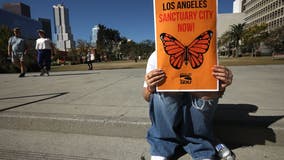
(119, 119)
(5, 153)
(72, 117)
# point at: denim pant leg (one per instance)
(40, 58)
(47, 59)
(201, 134)
(165, 110)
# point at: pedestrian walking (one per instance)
(44, 48)
(17, 49)
(89, 60)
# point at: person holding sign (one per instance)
(181, 121)
(183, 80)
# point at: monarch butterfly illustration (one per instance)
(192, 53)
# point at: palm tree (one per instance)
(236, 34)
(224, 43)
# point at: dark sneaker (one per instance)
(41, 72)
(47, 72)
(22, 75)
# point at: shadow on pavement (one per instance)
(51, 96)
(235, 125)
(53, 74)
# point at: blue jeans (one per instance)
(44, 58)
(181, 124)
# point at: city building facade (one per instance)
(270, 12)
(225, 20)
(28, 26)
(18, 15)
(18, 8)
(63, 34)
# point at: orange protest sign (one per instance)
(185, 35)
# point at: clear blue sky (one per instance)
(132, 18)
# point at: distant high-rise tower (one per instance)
(18, 8)
(94, 37)
(237, 6)
(64, 37)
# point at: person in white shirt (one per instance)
(182, 121)
(89, 60)
(44, 49)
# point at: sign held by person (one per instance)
(185, 35)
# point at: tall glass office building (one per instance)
(64, 37)
(94, 36)
(28, 26)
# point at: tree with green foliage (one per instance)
(5, 33)
(133, 50)
(253, 36)
(112, 46)
(108, 42)
(82, 49)
(230, 40)
(126, 47)
(224, 42)
(236, 34)
(83, 46)
(275, 40)
(146, 47)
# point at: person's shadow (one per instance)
(236, 128)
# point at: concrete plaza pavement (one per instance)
(102, 115)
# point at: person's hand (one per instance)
(154, 78)
(225, 77)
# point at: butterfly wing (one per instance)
(198, 47)
(174, 48)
